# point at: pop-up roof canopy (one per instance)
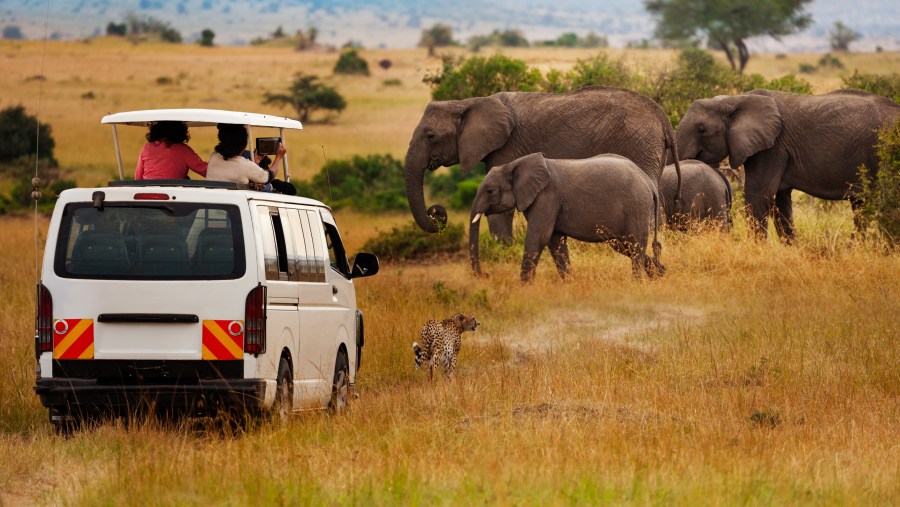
(197, 118)
(200, 118)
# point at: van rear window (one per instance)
(148, 241)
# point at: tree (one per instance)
(116, 29)
(726, 24)
(841, 36)
(351, 63)
(306, 95)
(12, 32)
(439, 35)
(206, 38)
(19, 132)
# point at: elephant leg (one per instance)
(631, 251)
(784, 215)
(536, 238)
(856, 205)
(758, 206)
(559, 249)
(501, 226)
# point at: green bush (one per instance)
(480, 77)
(886, 85)
(19, 134)
(455, 187)
(351, 63)
(599, 70)
(807, 68)
(371, 183)
(412, 243)
(880, 196)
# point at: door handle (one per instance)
(334, 289)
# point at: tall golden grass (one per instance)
(752, 373)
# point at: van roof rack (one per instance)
(180, 183)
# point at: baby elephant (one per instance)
(705, 195)
(606, 198)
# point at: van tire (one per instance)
(284, 391)
(340, 387)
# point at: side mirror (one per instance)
(365, 264)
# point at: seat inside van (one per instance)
(164, 255)
(215, 251)
(99, 253)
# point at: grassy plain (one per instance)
(752, 373)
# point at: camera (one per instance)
(267, 145)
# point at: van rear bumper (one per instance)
(211, 394)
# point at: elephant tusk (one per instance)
(476, 218)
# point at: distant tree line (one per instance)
(141, 28)
(441, 35)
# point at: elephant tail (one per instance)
(673, 150)
(657, 248)
(728, 195)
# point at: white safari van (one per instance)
(195, 296)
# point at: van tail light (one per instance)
(255, 321)
(43, 321)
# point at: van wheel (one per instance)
(284, 392)
(340, 388)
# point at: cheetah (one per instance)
(440, 341)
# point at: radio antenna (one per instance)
(327, 176)
(36, 181)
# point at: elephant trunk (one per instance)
(432, 219)
(474, 228)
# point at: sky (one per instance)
(398, 23)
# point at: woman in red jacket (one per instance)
(165, 156)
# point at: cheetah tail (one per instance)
(419, 353)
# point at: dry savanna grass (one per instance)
(752, 373)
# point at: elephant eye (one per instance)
(429, 134)
(701, 128)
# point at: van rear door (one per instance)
(149, 280)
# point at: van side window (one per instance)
(336, 255)
(306, 264)
(314, 244)
(274, 245)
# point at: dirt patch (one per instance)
(568, 327)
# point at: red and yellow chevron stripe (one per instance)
(73, 339)
(223, 339)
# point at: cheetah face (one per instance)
(469, 323)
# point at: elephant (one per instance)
(507, 125)
(787, 141)
(706, 195)
(605, 198)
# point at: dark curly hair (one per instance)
(232, 140)
(169, 132)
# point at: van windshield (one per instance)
(150, 241)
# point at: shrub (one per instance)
(807, 68)
(480, 77)
(392, 82)
(409, 242)
(19, 132)
(164, 81)
(351, 63)
(880, 196)
(506, 38)
(372, 183)
(886, 85)
(455, 187)
(829, 60)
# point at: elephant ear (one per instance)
(529, 177)
(486, 125)
(755, 124)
